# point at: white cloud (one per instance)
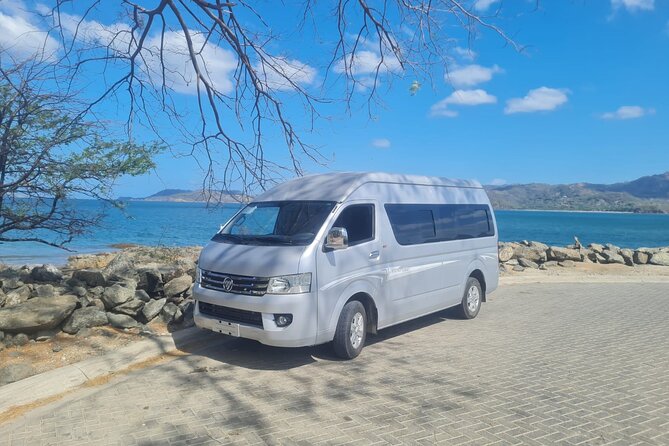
(367, 62)
(629, 112)
(470, 75)
(463, 98)
(381, 143)
(483, 5)
(465, 53)
(498, 182)
(539, 99)
(276, 73)
(21, 38)
(633, 5)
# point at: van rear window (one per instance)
(425, 223)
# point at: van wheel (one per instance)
(471, 301)
(351, 330)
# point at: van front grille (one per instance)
(230, 283)
(231, 314)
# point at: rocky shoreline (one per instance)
(518, 256)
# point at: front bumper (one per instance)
(301, 332)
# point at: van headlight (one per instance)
(292, 284)
(198, 275)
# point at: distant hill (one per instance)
(190, 196)
(648, 194)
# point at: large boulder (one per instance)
(121, 320)
(539, 246)
(91, 277)
(153, 308)
(116, 295)
(178, 285)
(131, 307)
(121, 266)
(640, 257)
(535, 254)
(559, 254)
(11, 283)
(37, 314)
(46, 273)
(628, 256)
(3, 297)
(171, 313)
(659, 258)
(46, 290)
(613, 257)
(18, 296)
(150, 280)
(85, 318)
(596, 247)
(505, 253)
(527, 263)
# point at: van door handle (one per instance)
(373, 255)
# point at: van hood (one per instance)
(251, 260)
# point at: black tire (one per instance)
(465, 310)
(342, 343)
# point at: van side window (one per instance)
(358, 220)
(425, 223)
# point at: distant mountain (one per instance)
(191, 196)
(648, 194)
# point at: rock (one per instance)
(640, 257)
(131, 307)
(150, 280)
(612, 257)
(539, 246)
(79, 291)
(18, 296)
(45, 291)
(178, 285)
(91, 277)
(559, 254)
(169, 312)
(56, 348)
(187, 309)
(46, 273)
(550, 264)
(530, 253)
(121, 266)
(613, 248)
(97, 291)
(527, 263)
(518, 268)
(116, 295)
(20, 339)
(153, 308)
(2, 336)
(659, 258)
(596, 247)
(567, 263)
(37, 314)
(85, 318)
(505, 253)
(512, 262)
(3, 297)
(142, 295)
(97, 303)
(599, 258)
(15, 372)
(627, 255)
(543, 267)
(121, 321)
(12, 283)
(45, 335)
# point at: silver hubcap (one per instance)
(473, 299)
(357, 330)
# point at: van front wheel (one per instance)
(351, 330)
(471, 301)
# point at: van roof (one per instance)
(338, 186)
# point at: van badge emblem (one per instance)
(227, 284)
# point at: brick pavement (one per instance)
(542, 364)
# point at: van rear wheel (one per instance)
(351, 330)
(471, 301)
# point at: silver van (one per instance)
(333, 257)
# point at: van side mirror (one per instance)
(337, 239)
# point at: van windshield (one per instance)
(276, 223)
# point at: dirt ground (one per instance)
(63, 349)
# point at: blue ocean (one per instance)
(184, 224)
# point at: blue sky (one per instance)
(586, 100)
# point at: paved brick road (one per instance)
(542, 364)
